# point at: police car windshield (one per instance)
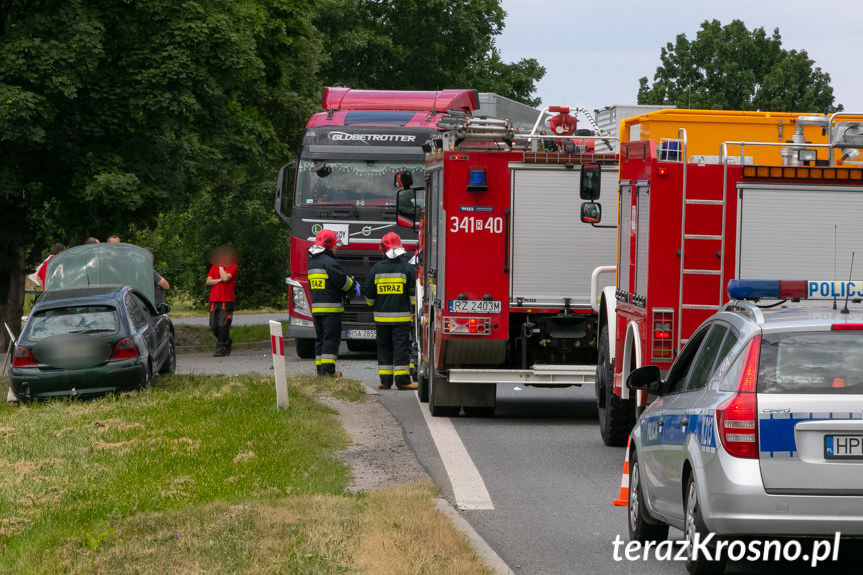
(350, 182)
(825, 362)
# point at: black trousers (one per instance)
(328, 336)
(394, 350)
(221, 315)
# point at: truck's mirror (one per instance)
(403, 180)
(647, 378)
(590, 177)
(406, 207)
(591, 213)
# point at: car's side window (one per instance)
(145, 309)
(702, 369)
(679, 374)
(139, 320)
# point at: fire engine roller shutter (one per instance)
(789, 231)
(553, 252)
(624, 231)
(643, 240)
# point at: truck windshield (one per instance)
(352, 182)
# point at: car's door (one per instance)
(665, 455)
(689, 409)
(142, 321)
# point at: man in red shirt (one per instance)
(222, 279)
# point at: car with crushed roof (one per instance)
(95, 329)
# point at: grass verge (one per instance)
(203, 475)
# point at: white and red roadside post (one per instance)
(278, 345)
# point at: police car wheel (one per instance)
(641, 526)
(693, 526)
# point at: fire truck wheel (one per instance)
(422, 381)
(305, 348)
(616, 415)
(435, 382)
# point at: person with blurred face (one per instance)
(222, 279)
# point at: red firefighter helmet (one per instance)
(328, 239)
(390, 241)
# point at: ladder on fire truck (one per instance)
(698, 279)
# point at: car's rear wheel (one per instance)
(305, 348)
(694, 530)
(641, 526)
(170, 365)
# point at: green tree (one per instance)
(114, 112)
(730, 68)
(421, 45)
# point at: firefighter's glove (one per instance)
(356, 287)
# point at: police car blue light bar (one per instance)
(794, 289)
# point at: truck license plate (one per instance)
(360, 334)
(474, 306)
(843, 446)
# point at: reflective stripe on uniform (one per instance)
(390, 278)
(327, 308)
(393, 316)
(370, 301)
(348, 283)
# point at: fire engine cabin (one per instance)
(689, 224)
(509, 272)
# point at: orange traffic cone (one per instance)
(623, 499)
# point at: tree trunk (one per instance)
(12, 293)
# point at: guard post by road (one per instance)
(278, 344)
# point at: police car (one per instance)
(757, 428)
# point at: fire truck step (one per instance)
(703, 272)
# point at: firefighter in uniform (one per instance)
(389, 289)
(328, 283)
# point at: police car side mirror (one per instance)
(647, 378)
(591, 213)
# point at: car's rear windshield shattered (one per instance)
(812, 362)
(77, 319)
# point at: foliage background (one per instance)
(166, 121)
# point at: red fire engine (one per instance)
(688, 223)
(508, 275)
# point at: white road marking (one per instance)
(467, 484)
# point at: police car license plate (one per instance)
(843, 446)
(474, 305)
(360, 334)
